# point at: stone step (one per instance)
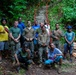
(41, 14)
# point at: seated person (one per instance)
(54, 55)
(23, 56)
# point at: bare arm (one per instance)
(67, 40)
(48, 39)
(73, 39)
(57, 55)
(10, 34)
(52, 35)
(16, 40)
(18, 37)
(28, 51)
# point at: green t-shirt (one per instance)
(15, 32)
(20, 52)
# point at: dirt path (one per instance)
(67, 69)
(41, 14)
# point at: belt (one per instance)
(29, 40)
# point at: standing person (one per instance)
(4, 36)
(21, 25)
(15, 37)
(36, 27)
(69, 38)
(56, 35)
(22, 55)
(47, 26)
(29, 36)
(54, 55)
(41, 26)
(43, 40)
(2, 32)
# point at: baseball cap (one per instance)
(69, 27)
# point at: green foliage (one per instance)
(54, 15)
(64, 13)
(30, 14)
(12, 9)
(68, 14)
(69, 11)
(70, 3)
(33, 2)
(17, 8)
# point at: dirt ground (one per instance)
(67, 69)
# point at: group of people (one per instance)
(28, 41)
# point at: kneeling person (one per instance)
(23, 56)
(54, 55)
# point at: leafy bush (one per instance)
(69, 12)
(17, 8)
(64, 13)
(55, 16)
(12, 9)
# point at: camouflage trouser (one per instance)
(14, 48)
(31, 46)
(42, 52)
